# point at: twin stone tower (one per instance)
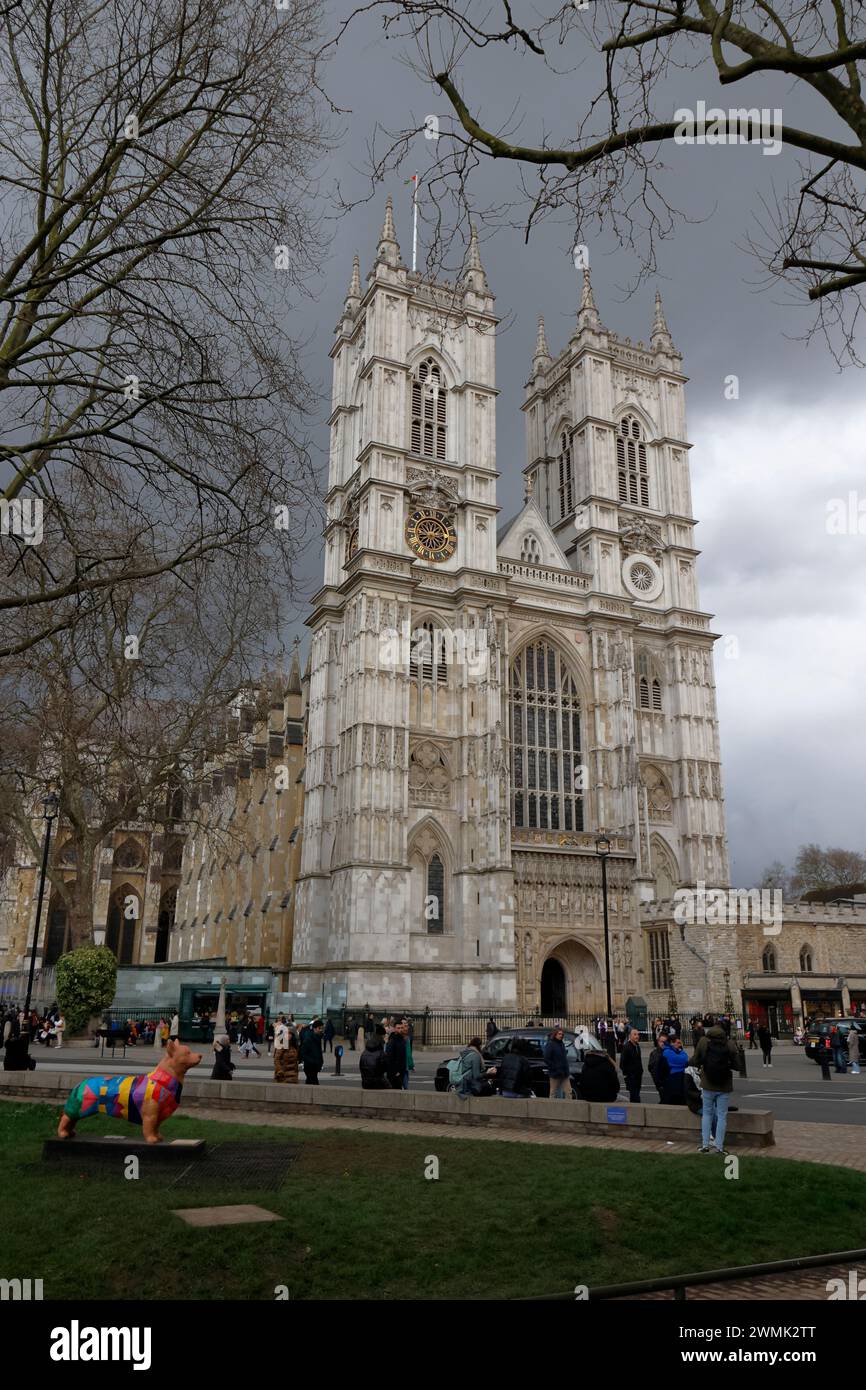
(484, 697)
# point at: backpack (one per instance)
(461, 1068)
(717, 1062)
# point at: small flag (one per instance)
(413, 179)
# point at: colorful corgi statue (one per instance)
(146, 1100)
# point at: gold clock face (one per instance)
(431, 536)
(351, 545)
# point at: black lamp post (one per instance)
(602, 849)
(50, 808)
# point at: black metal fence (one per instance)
(449, 1027)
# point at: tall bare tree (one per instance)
(157, 168)
(121, 708)
(613, 70)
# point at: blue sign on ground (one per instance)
(617, 1115)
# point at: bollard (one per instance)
(824, 1059)
(338, 1054)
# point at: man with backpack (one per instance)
(717, 1058)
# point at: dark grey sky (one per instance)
(765, 466)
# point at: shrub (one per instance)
(86, 982)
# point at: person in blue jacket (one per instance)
(556, 1060)
(674, 1060)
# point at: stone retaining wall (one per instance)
(750, 1128)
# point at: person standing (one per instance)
(174, 1028)
(351, 1031)
(717, 1058)
(492, 1028)
(556, 1061)
(674, 1060)
(371, 1063)
(285, 1054)
(854, 1051)
(765, 1038)
(631, 1066)
(752, 1029)
(840, 1052)
(58, 1029)
(395, 1057)
(410, 1060)
(223, 1066)
(328, 1036)
(312, 1057)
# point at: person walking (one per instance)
(556, 1061)
(270, 1036)
(854, 1051)
(750, 1033)
(174, 1028)
(631, 1065)
(328, 1036)
(312, 1057)
(351, 1031)
(395, 1056)
(717, 1058)
(765, 1038)
(492, 1028)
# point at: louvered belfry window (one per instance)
(429, 411)
(631, 463)
(566, 478)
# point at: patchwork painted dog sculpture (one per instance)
(146, 1100)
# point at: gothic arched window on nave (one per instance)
(547, 774)
(429, 410)
(631, 463)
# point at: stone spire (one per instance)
(294, 682)
(587, 314)
(661, 338)
(541, 357)
(389, 251)
(353, 298)
(474, 277)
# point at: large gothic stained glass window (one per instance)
(546, 780)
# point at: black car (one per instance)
(534, 1040)
(820, 1030)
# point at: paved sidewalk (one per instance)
(839, 1145)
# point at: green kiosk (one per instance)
(199, 1003)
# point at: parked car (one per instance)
(535, 1038)
(821, 1030)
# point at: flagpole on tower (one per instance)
(414, 221)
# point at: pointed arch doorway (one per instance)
(571, 980)
(554, 998)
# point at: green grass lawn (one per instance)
(361, 1221)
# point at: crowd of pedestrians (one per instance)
(47, 1028)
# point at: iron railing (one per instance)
(681, 1282)
(449, 1027)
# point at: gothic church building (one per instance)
(485, 697)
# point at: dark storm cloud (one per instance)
(764, 466)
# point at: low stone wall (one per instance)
(749, 1128)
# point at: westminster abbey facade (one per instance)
(486, 696)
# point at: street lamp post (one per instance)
(602, 849)
(50, 807)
